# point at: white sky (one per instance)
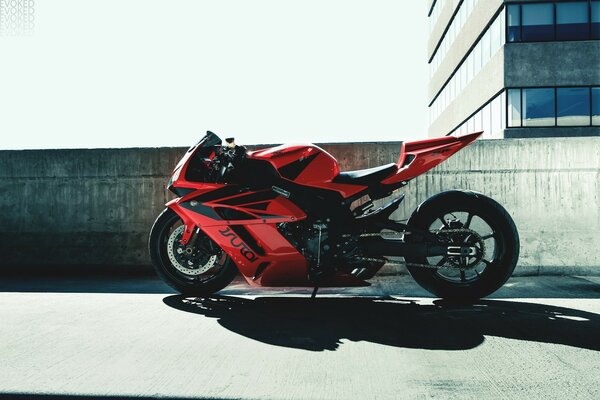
(137, 73)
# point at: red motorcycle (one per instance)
(286, 216)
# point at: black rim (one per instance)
(484, 236)
(192, 258)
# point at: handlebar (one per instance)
(226, 160)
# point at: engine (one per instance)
(323, 244)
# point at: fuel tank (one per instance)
(301, 163)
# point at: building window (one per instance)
(595, 106)
(496, 35)
(595, 28)
(514, 107)
(559, 20)
(474, 61)
(538, 107)
(573, 106)
(496, 114)
(435, 12)
(572, 21)
(538, 22)
(485, 48)
(513, 33)
(478, 122)
(471, 124)
(488, 118)
(477, 58)
(471, 65)
(561, 106)
(461, 15)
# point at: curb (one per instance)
(520, 270)
(42, 270)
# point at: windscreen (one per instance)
(199, 165)
(207, 145)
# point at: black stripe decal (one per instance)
(250, 198)
(292, 170)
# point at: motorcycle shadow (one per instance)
(322, 324)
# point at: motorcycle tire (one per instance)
(505, 246)
(186, 284)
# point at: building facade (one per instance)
(514, 69)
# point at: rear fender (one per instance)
(443, 196)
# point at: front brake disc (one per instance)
(184, 262)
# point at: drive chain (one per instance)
(401, 263)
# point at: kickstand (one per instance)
(314, 293)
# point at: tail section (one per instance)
(420, 156)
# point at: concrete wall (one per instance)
(97, 206)
(552, 64)
(517, 133)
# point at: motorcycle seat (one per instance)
(366, 177)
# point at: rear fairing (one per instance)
(418, 157)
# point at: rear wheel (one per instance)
(467, 220)
(199, 269)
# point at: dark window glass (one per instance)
(514, 23)
(538, 22)
(573, 106)
(596, 106)
(514, 107)
(572, 21)
(503, 110)
(538, 107)
(595, 19)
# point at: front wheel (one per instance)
(199, 269)
(467, 219)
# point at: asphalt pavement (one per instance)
(112, 336)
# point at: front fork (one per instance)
(190, 231)
(189, 239)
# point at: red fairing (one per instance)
(258, 218)
(418, 157)
(180, 170)
(303, 163)
(307, 164)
